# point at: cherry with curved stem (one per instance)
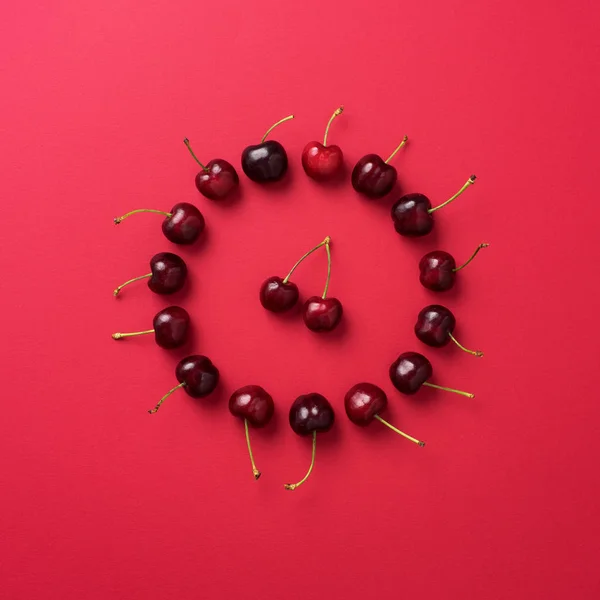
(159, 403)
(255, 471)
(484, 245)
(118, 220)
(320, 161)
(469, 183)
(288, 118)
(477, 353)
(168, 273)
(293, 486)
(336, 113)
(189, 147)
(398, 147)
(405, 435)
(324, 295)
(120, 287)
(325, 243)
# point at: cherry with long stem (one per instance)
(477, 353)
(158, 404)
(119, 288)
(119, 336)
(408, 437)
(447, 389)
(255, 471)
(398, 147)
(336, 113)
(325, 242)
(118, 220)
(471, 257)
(324, 295)
(469, 183)
(187, 144)
(293, 486)
(264, 137)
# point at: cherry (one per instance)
(310, 413)
(183, 224)
(279, 295)
(217, 179)
(168, 274)
(411, 370)
(438, 269)
(321, 313)
(255, 406)
(413, 214)
(320, 161)
(266, 161)
(374, 177)
(364, 402)
(435, 325)
(196, 375)
(170, 328)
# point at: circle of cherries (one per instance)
(413, 215)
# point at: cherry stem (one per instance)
(325, 241)
(408, 437)
(328, 271)
(400, 145)
(255, 471)
(264, 137)
(119, 336)
(117, 220)
(472, 257)
(337, 112)
(153, 410)
(447, 389)
(293, 486)
(117, 290)
(470, 182)
(187, 143)
(478, 353)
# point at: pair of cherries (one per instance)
(320, 313)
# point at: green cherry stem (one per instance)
(478, 353)
(400, 145)
(408, 437)
(120, 336)
(187, 143)
(325, 241)
(447, 389)
(337, 112)
(328, 270)
(117, 290)
(264, 137)
(293, 486)
(472, 257)
(153, 410)
(117, 220)
(469, 183)
(255, 471)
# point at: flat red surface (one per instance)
(100, 500)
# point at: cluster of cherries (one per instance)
(412, 214)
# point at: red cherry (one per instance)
(320, 161)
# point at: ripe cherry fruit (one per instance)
(320, 161)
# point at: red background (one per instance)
(100, 500)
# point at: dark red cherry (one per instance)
(196, 374)
(168, 274)
(253, 404)
(266, 161)
(322, 314)
(320, 161)
(170, 328)
(217, 179)
(373, 177)
(183, 225)
(278, 295)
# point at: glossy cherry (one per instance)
(413, 214)
(170, 328)
(435, 327)
(320, 161)
(217, 179)
(182, 225)
(196, 374)
(438, 269)
(279, 295)
(374, 177)
(256, 407)
(310, 414)
(266, 161)
(167, 275)
(364, 402)
(411, 370)
(323, 314)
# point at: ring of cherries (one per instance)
(412, 215)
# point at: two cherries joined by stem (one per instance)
(320, 161)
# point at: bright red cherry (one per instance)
(322, 314)
(168, 274)
(255, 406)
(411, 370)
(365, 402)
(183, 224)
(170, 328)
(310, 414)
(320, 161)
(217, 179)
(435, 327)
(196, 375)
(438, 269)
(279, 295)
(373, 177)
(413, 214)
